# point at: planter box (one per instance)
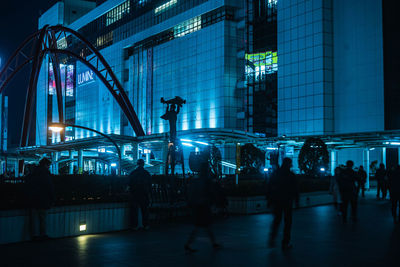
(64, 221)
(247, 205)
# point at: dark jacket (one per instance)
(282, 187)
(348, 181)
(140, 185)
(362, 176)
(394, 184)
(40, 188)
(200, 192)
(380, 175)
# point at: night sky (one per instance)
(18, 19)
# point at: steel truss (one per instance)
(55, 42)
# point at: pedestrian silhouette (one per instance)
(200, 196)
(41, 195)
(140, 189)
(282, 191)
(348, 181)
(380, 179)
(362, 176)
(395, 193)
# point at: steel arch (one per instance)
(45, 43)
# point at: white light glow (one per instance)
(395, 143)
(165, 6)
(187, 144)
(82, 227)
(56, 129)
(322, 169)
(265, 169)
(186, 140)
(201, 143)
(227, 164)
(113, 164)
(272, 148)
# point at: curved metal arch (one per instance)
(45, 42)
(105, 72)
(117, 97)
(8, 72)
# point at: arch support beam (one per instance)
(45, 42)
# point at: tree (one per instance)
(313, 156)
(252, 159)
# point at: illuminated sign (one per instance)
(66, 77)
(260, 64)
(268, 58)
(85, 77)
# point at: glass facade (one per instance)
(156, 49)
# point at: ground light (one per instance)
(265, 169)
(82, 227)
(322, 169)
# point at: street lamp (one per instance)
(58, 127)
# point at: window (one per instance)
(117, 13)
(187, 27)
(165, 6)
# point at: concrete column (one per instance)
(71, 163)
(55, 158)
(164, 155)
(366, 165)
(384, 155)
(80, 161)
(123, 149)
(334, 161)
(398, 151)
(1, 167)
(16, 169)
(135, 152)
(148, 158)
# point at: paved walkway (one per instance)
(319, 239)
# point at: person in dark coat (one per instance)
(140, 189)
(348, 181)
(41, 195)
(362, 176)
(380, 179)
(394, 183)
(282, 192)
(200, 196)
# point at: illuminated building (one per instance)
(263, 67)
(192, 49)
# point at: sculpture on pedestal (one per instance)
(175, 153)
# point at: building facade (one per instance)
(335, 75)
(212, 53)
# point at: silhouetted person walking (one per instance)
(348, 181)
(200, 195)
(362, 176)
(395, 193)
(282, 191)
(140, 188)
(380, 179)
(41, 195)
